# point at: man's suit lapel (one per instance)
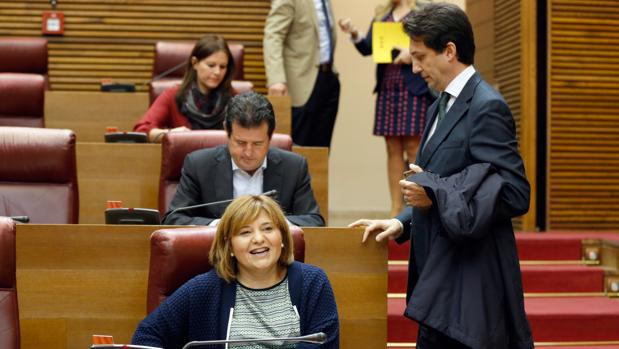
(274, 173)
(455, 113)
(223, 180)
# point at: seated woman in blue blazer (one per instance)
(255, 290)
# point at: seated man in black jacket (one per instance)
(246, 165)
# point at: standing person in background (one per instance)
(402, 98)
(299, 42)
(199, 102)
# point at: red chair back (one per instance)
(177, 255)
(23, 99)
(176, 146)
(23, 55)
(9, 314)
(169, 54)
(38, 176)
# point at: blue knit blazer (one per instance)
(199, 310)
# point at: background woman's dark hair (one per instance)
(205, 47)
(439, 23)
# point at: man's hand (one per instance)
(387, 228)
(278, 89)
(414, 194)
(347, 27)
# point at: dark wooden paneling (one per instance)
(114, 39)
(583, 123)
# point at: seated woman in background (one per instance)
(199, 102)
(256, 289)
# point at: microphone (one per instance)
(316, 338)
(270, 193)
(165, 73)
(109, 86)
(21, 219)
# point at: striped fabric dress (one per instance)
(398, 111)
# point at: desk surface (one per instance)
(77, 280)
(130, 173)
(88, 113)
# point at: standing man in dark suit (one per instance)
(246, 165)
(464, 289)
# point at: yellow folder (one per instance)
(386, 37)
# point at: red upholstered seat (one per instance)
(22, 99)
(177, 255)
(176, 145)
(9, 315)
(170, 54)
(38, 176)
(24, 55)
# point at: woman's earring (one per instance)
(282, 245)
(232, 254)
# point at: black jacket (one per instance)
(471, 287)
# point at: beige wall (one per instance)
(357, 166)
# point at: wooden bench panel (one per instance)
(88, 113)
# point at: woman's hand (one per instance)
(156, 134)
(180, 129)
(403, 57)
(348, 28)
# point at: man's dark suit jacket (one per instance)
(207, 177)
(473, 300)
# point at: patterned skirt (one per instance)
(398, 111)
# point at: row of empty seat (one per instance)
(23, 81)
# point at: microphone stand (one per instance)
(187, 208)
(270, 193)
(165, 73)
(316, 338)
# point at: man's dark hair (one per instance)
(249, 110)
(439, 23)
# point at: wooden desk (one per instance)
(88, 113)
(130, 173)
(77, 280)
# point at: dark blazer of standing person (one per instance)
(476, 300)
(246, 165)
